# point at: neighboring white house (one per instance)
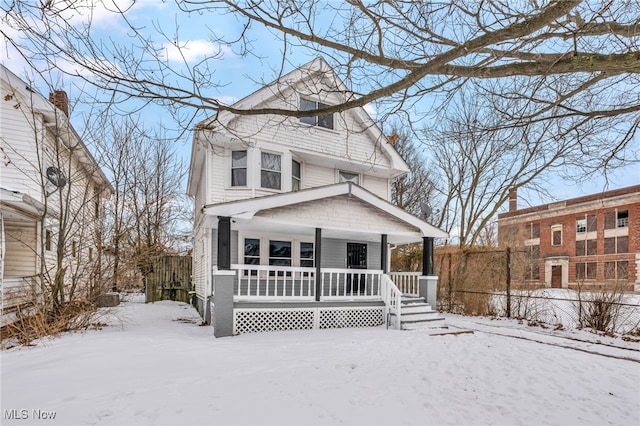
(293, 223)
(48, 178)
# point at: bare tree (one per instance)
(148, 211)
(417, 187)
(396, 52)
(480, 160)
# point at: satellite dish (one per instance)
(425, 209)
(56, 177)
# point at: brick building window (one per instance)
(532, 230)
(616, 270)
(532, 265)
(581, 225)
(586, 247)
(615, 245)
(616, 219)
(586, 270)
(556, 235)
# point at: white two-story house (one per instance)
(52, 193)
(293, 224)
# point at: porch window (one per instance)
(270, 175)
(324, 120)
(348, 177)
(556, 235)
(279, 254)
(252, 252)
(306, 255)
(239, 168)
(295, 175)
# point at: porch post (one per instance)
(383, 254)
(427, 256)
(317, 255)
(224, 243)
(221, 303)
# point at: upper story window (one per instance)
(623, 219)
(532, 230)
(296, 179)
(556, 235)
(324, 120)
(616, 219)
(239, 168)
(348, 177)
(270, 173)
(581, 225)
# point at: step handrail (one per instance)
(392, 297)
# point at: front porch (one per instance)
(314, 259)
(274, 298)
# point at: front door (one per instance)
(556, 276)
(356, 259)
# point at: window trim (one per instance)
(298, 178)
(555, 228)
(315, 118)
(262, 169)
(246, 169)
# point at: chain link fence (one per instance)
(490, 282)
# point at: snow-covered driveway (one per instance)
(160, 367)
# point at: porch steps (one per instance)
(418, 314)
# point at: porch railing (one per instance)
(350, 283)
(407, 282)
(392, 297)
(260, 282)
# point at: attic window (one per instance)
(348, 177)
(324, 120)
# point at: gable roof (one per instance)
(248, 208)
(317, 69)
(55, 117)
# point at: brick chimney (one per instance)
(513, 200)
(60, 100)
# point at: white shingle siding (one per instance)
(342, 212)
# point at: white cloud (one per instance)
(189, 51)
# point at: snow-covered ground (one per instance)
(157, 365)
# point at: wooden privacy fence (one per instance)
(170, 279)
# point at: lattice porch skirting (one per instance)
(253, 320)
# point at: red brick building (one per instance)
(591, 241)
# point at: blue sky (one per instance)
(238, 75)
